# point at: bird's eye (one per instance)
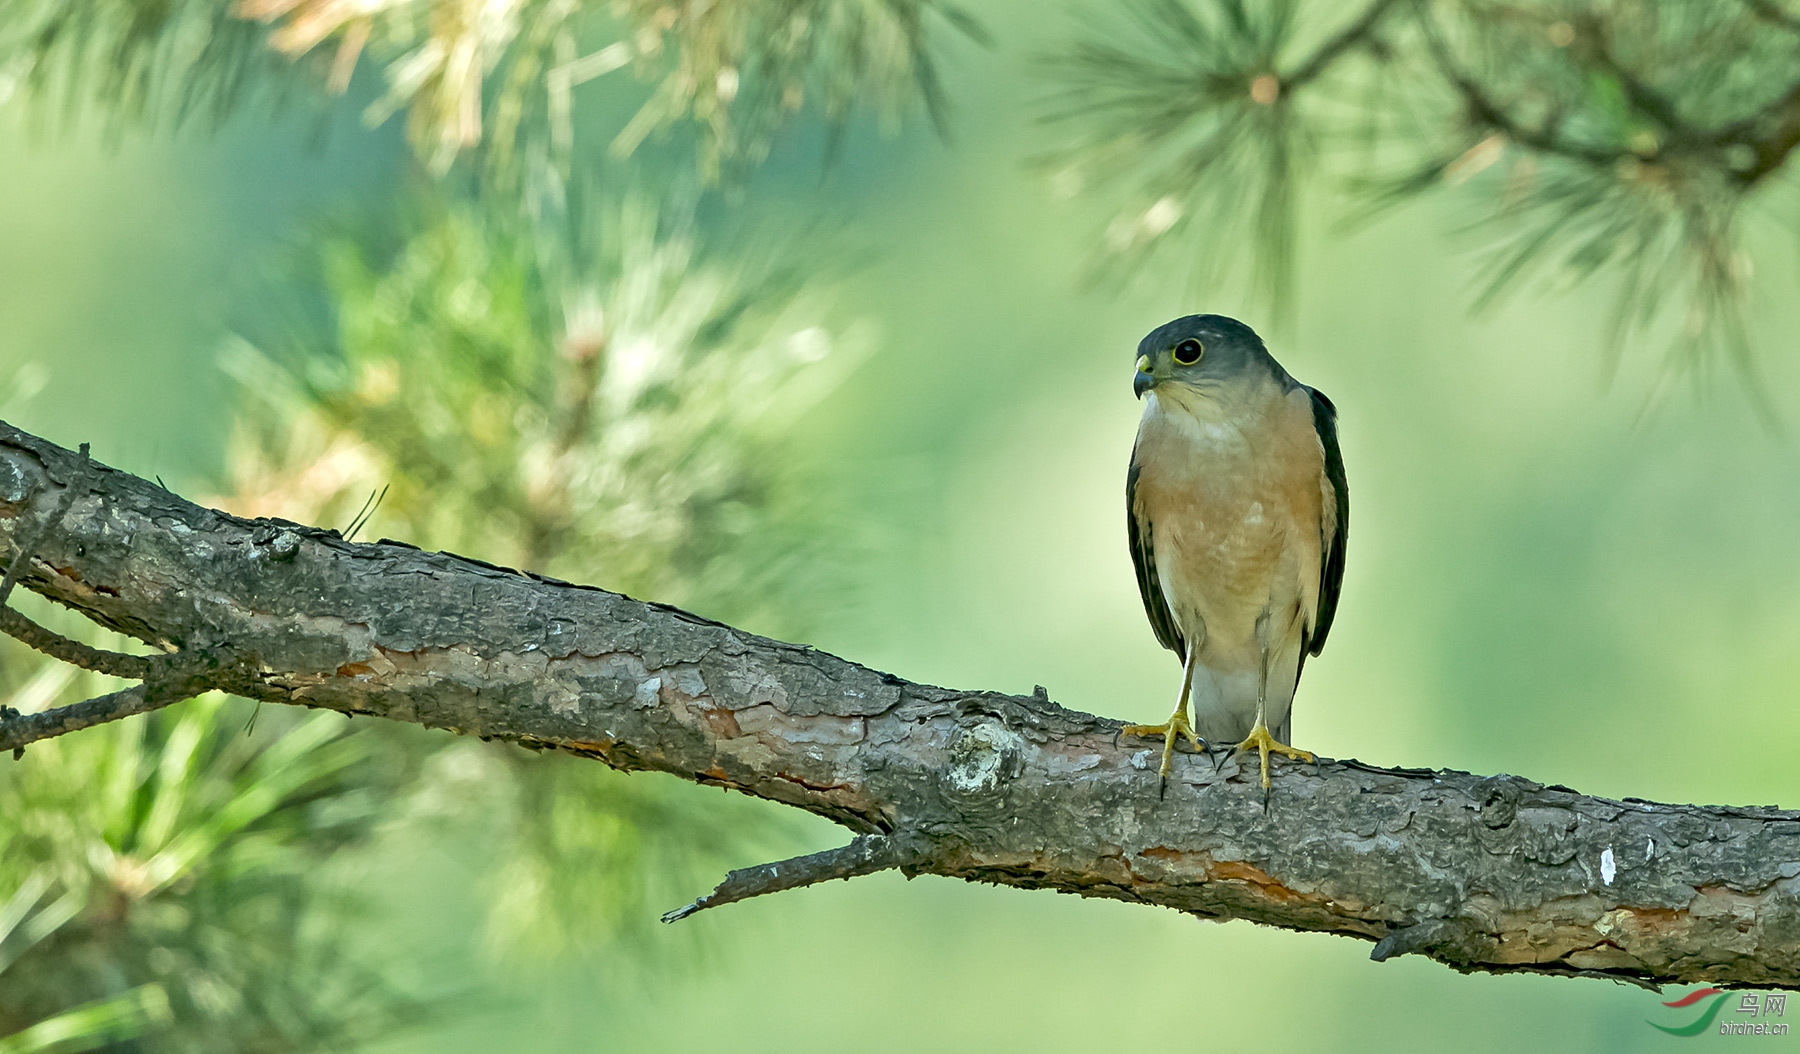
(1188, 351)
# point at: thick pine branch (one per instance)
(1495, 873)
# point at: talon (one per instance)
(1175, 727)
(1264, 744)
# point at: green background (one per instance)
(1551, 573)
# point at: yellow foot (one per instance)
(1262, 742)
(1176, 725)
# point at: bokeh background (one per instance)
(1577, 573)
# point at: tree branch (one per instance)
(32, 538)
(1496, 874)
(865, 855)
(75, 653)
(16, 729)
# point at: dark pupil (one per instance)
(1187, 352)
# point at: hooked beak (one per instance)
(1144, 381)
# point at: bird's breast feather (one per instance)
(1233, 496)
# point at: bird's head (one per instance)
(1201, 352)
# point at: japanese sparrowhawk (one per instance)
(1236, 511)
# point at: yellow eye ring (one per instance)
(1189, 351)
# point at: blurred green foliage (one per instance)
(164, 879)
(32, 916)
(164, 64)
(493, 75)
(601, 400)
(1624, 139)
(592, 393)
(1164, 104)
(589, 384)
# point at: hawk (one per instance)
(1236, 512)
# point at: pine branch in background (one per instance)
(607, 399)
(164, 877)
(1199, 114)
(741, 71)
(493, 78)
(162, 64)
(1621, 140)
(29, 918)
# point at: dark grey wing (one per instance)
(1331, 578)
(1141, 534)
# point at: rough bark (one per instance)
(1496, 873)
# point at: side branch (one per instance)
(168, 680)
(75, 653)
(865, 855)
(16, 729)
(1495, 874)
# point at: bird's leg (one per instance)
(1260, 738)
(1177, 724)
